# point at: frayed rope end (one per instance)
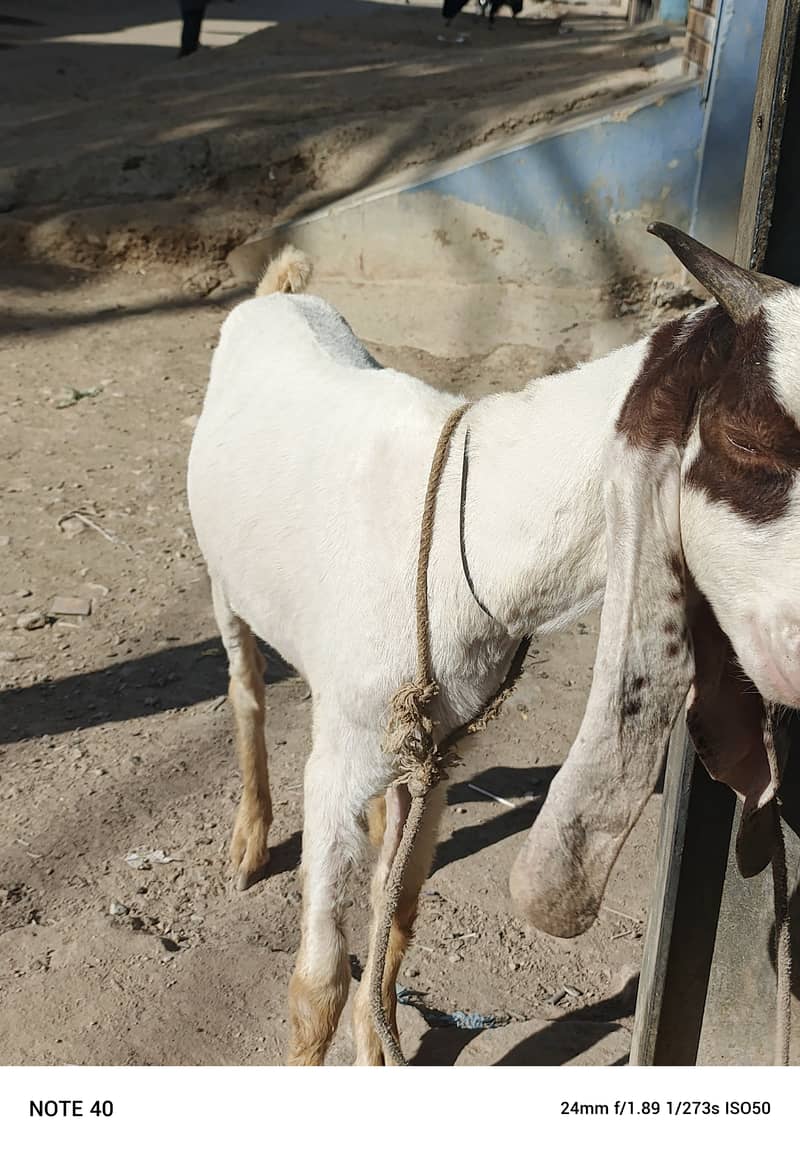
(409, 737)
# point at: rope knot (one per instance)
(409, 737)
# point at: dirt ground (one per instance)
(116, 737)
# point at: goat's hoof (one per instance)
(246, 879)
(249, 853)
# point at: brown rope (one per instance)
(424, 665)
(410, 739)
(780, 895)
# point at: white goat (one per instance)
(306, 482)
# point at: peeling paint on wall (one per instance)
(576, 185)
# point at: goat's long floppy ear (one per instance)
(739, 291)
(728, 724)
(643, 670)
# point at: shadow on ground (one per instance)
(164, 681)
(554, 1045)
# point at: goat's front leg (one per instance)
(249, 850)
(369, 1051)
(332, 837)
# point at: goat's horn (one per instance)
(740, 292)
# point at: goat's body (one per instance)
(306, 482)
(307, 459)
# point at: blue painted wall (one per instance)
(673, 11)
(682, 157)
(592, 184)
(579, 184)
(727, 126)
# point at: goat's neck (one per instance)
(535, 524)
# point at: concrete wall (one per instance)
(531, 239)
(586, 193)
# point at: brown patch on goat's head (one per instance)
(683, 357)
(749, 444)
(706, 369)
(718, 362)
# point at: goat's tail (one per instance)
(288, 271)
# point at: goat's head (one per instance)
(703, 536)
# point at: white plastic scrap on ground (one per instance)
(143, 860)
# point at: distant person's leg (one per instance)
(451, 8)
(193, 12)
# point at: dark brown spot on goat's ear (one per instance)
(631, 694)
(674, 649)
(631, 706)
(683, 356)
(749, 444)
(673, 630)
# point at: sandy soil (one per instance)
(115, 733)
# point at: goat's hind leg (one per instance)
(249, 851)
(335, 795)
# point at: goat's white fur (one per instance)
(306, 482)
(306, 479)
